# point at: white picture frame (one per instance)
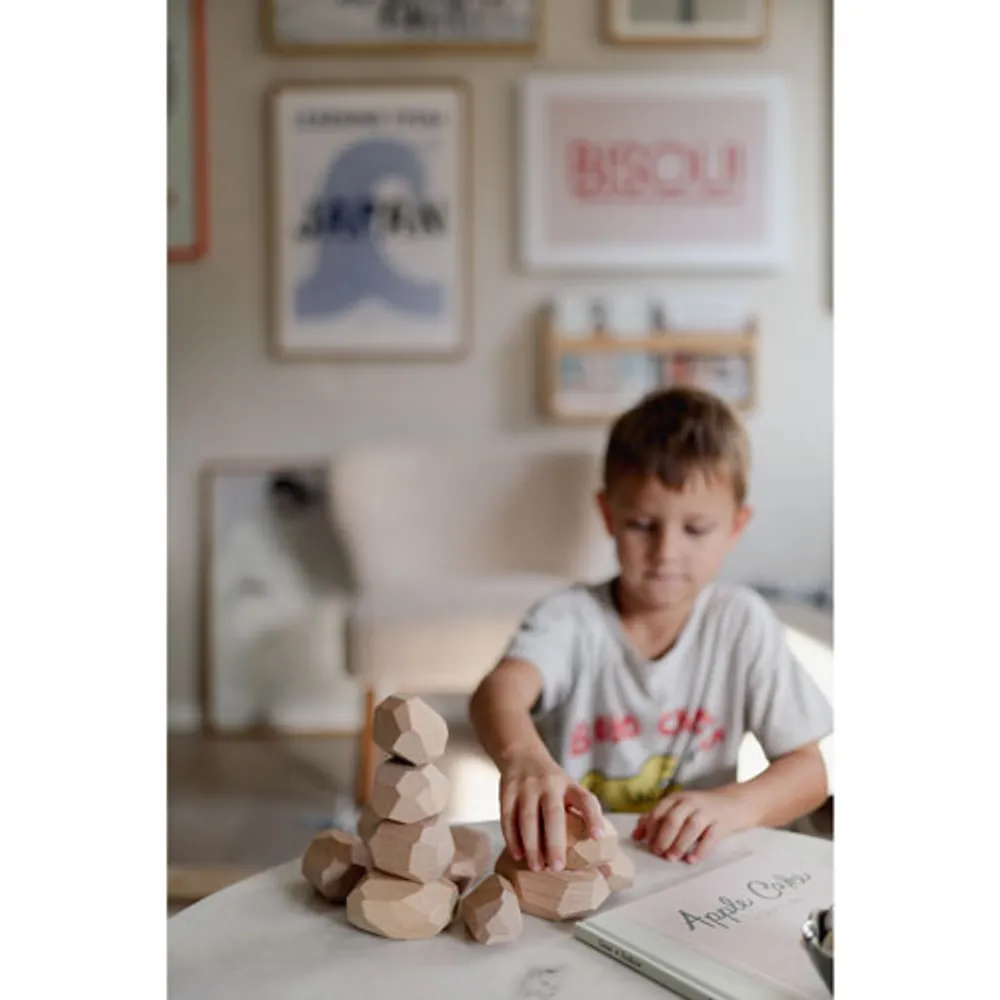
(707, 187)
(274, 582)
(686, 22)
(397, 27)
(370, 197)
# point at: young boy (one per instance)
(642, 687)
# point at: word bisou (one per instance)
(730, 909)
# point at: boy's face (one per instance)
(671, 543)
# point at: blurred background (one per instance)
(343, 528)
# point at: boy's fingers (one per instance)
(528, 827)
(640, 827)
(554, 817)
(650, 822)
(687, 836)
(590, 808)
(670, 826)
(508, 811)
(705, 845)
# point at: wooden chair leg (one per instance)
(365, 774)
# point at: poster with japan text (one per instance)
(369, 221)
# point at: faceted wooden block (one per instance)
(397, 908)
(421, 852)
(619, 871)
(492, 912)
(473, 855)
(408, 794)
(334, 863)
(407, 727)
(367, 822)
(582, 850)
(554, 895)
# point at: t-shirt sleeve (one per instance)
(785, 707)
(546, 639)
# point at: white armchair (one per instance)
(448, 547)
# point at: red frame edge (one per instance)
(196, 250)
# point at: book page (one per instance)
(747, 915)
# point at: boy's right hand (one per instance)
(534, 796)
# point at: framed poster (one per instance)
(653, 172)
(370, 210)
(686, 22)
(274, 574)
(312, 27)
(187, 161)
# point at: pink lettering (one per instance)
(580, 740)
(667, 170)
(586, 172)
(718, 736)
(629, 728)
(701, 720)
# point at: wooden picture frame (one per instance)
(655, 172)
(355, 274)
(680, 24)
(613, 372)
(187, 132)
(317, 32)
(268, 611)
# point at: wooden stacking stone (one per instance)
(421, 852)
(400, 909)
(473, 856)
(408, 794)
(619, 872)
(554, 895)
(406, 727)
(491, 912)
(334, 863)
(584, 851)
(368, 821)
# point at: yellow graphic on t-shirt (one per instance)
(640, 792)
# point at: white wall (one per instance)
(228, 400)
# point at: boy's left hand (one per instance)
(686, 826)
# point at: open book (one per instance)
(728, 932)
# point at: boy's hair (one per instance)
(672, 433)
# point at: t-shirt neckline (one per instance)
(614, 623)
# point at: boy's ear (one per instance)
(743, 516)
(605, 508)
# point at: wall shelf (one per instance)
(591, 379)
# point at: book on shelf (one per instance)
(726, 932)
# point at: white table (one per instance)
(271, 938)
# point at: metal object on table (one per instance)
(817, 936)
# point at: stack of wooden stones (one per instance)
(402, 877)
(407, 871)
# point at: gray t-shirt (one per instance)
(632, 729)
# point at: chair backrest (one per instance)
(407, 514)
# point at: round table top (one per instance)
(271, 936)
